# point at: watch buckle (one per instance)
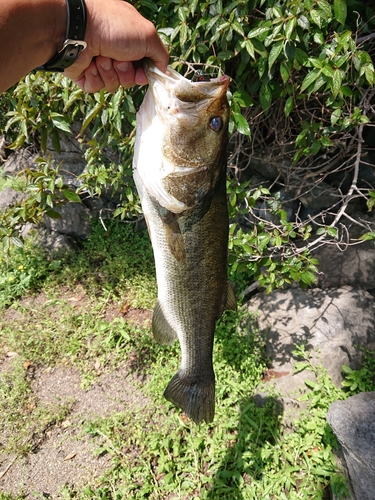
(76, 43)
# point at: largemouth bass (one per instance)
(180, 173)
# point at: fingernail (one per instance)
(107, 65)
(123, 66)
(94, 71)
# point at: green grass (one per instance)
(245, 454)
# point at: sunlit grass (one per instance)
(245, 454)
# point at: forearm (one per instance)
(31, 32)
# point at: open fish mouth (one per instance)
(171, 88)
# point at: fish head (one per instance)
(186, 131)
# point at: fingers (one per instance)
(104, 73)
(125, 73)
(155, 49)
(117, 37)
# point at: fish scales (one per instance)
(190, 246)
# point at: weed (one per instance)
(24, 419)
(362, 380)
(116, 260)
(21, 271)
(245, 454)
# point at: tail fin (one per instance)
(195, 397)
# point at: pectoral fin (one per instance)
(162, 330)
(173, 234)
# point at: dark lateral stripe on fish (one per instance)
(195, 398)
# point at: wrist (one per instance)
(73, 44)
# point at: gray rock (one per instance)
(334, 325)
(54, 244)
(19, 160)
(353, 423)
(263, 166)
(71, 156)
(9, 198)
(354, 266)
(74, 221)
(320, 197)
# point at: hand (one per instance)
(117, 36)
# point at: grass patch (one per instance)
(24, 420)
(117, 261)
(245, 454)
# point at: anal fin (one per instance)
(162, 330)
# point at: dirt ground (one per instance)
(65, 455)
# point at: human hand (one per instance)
(117, 36)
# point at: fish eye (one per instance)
(216, 123)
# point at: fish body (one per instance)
(180, 174)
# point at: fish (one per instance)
(179, 169)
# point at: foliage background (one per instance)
(302, 89)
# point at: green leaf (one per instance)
(183, 33)
(289, 105)
(193, 6)
(335, 116)
(336, 82)
(368, 236)
(325, 9)
(332, 231)
(241, 124)
(319, 38)
(303, 22)
(369, 74)
(275, 52)
(327, 70)
(53, 214)
(316, 17)
(242, 98)
(310, 78)
(256, 32)
(347, 91)
(265, 96)
(289, 27)
(237, 27)
(284, 72)
(249, 47)
(61, 124)
(90, 117)
(16, 241)
(340, 10)
(71, 196)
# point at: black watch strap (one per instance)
(74, 42)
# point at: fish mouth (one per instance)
(174, 84)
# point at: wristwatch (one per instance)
(74, 42)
